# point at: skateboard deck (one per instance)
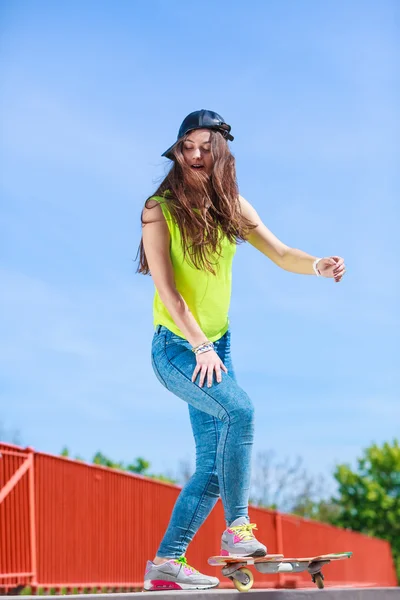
(332, 556)
(234, 567)
(221, 561)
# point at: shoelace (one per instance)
(182, 561)
(245, 532)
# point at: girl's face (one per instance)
(197, 150)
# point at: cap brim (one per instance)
(168, 153)
(223, 132)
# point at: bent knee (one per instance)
(244, 414)
(242, 410)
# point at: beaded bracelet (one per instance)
(204, 347)
(195, 348)
(207, 348)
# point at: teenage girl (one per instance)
(191, 228)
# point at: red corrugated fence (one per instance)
(67, 524)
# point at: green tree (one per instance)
(139, 466)
(320, 510)
(369, 497)
(101, 459)
(65, 452)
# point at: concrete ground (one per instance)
(309, 594)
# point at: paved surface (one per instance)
(309, 594)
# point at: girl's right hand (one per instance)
(207, 362)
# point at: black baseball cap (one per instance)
(201, 119)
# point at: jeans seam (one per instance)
(226, 436)
(203, 390)
(204, 489)
(209, 395)
(223, 460)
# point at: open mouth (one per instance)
(198, 167)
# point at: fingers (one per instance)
(339, 277)
(203, 375)
(207, 372)
(339, 264)
(337, 258)
(195, 373)
(210, 376)
(339, 270)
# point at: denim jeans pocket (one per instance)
(175, 345)
(172, 338)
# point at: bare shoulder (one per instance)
(152, 212)
(243, 202)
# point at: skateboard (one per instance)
(236, 567)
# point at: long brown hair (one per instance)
(184, 189)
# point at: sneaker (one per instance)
(176, 574)
(239, 540)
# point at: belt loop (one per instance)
(158, 328)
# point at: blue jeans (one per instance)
(222, 419)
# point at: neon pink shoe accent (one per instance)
(230, 530)
(224, 552)
(188, 570)
(160, 584)
(236, 539)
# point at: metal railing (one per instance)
(17, 517)
(70, 526)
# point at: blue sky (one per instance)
(92, 94)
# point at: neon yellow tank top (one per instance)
(207, 295)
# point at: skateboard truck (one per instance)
(229, 569)
(317, 576)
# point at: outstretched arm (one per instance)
(290, 259)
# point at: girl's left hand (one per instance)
(333, 266)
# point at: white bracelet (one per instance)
(316, 261)
(204, 348)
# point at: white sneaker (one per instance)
(176, 574)
(239, 540)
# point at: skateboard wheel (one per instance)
(239, 585)
(318, 579)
